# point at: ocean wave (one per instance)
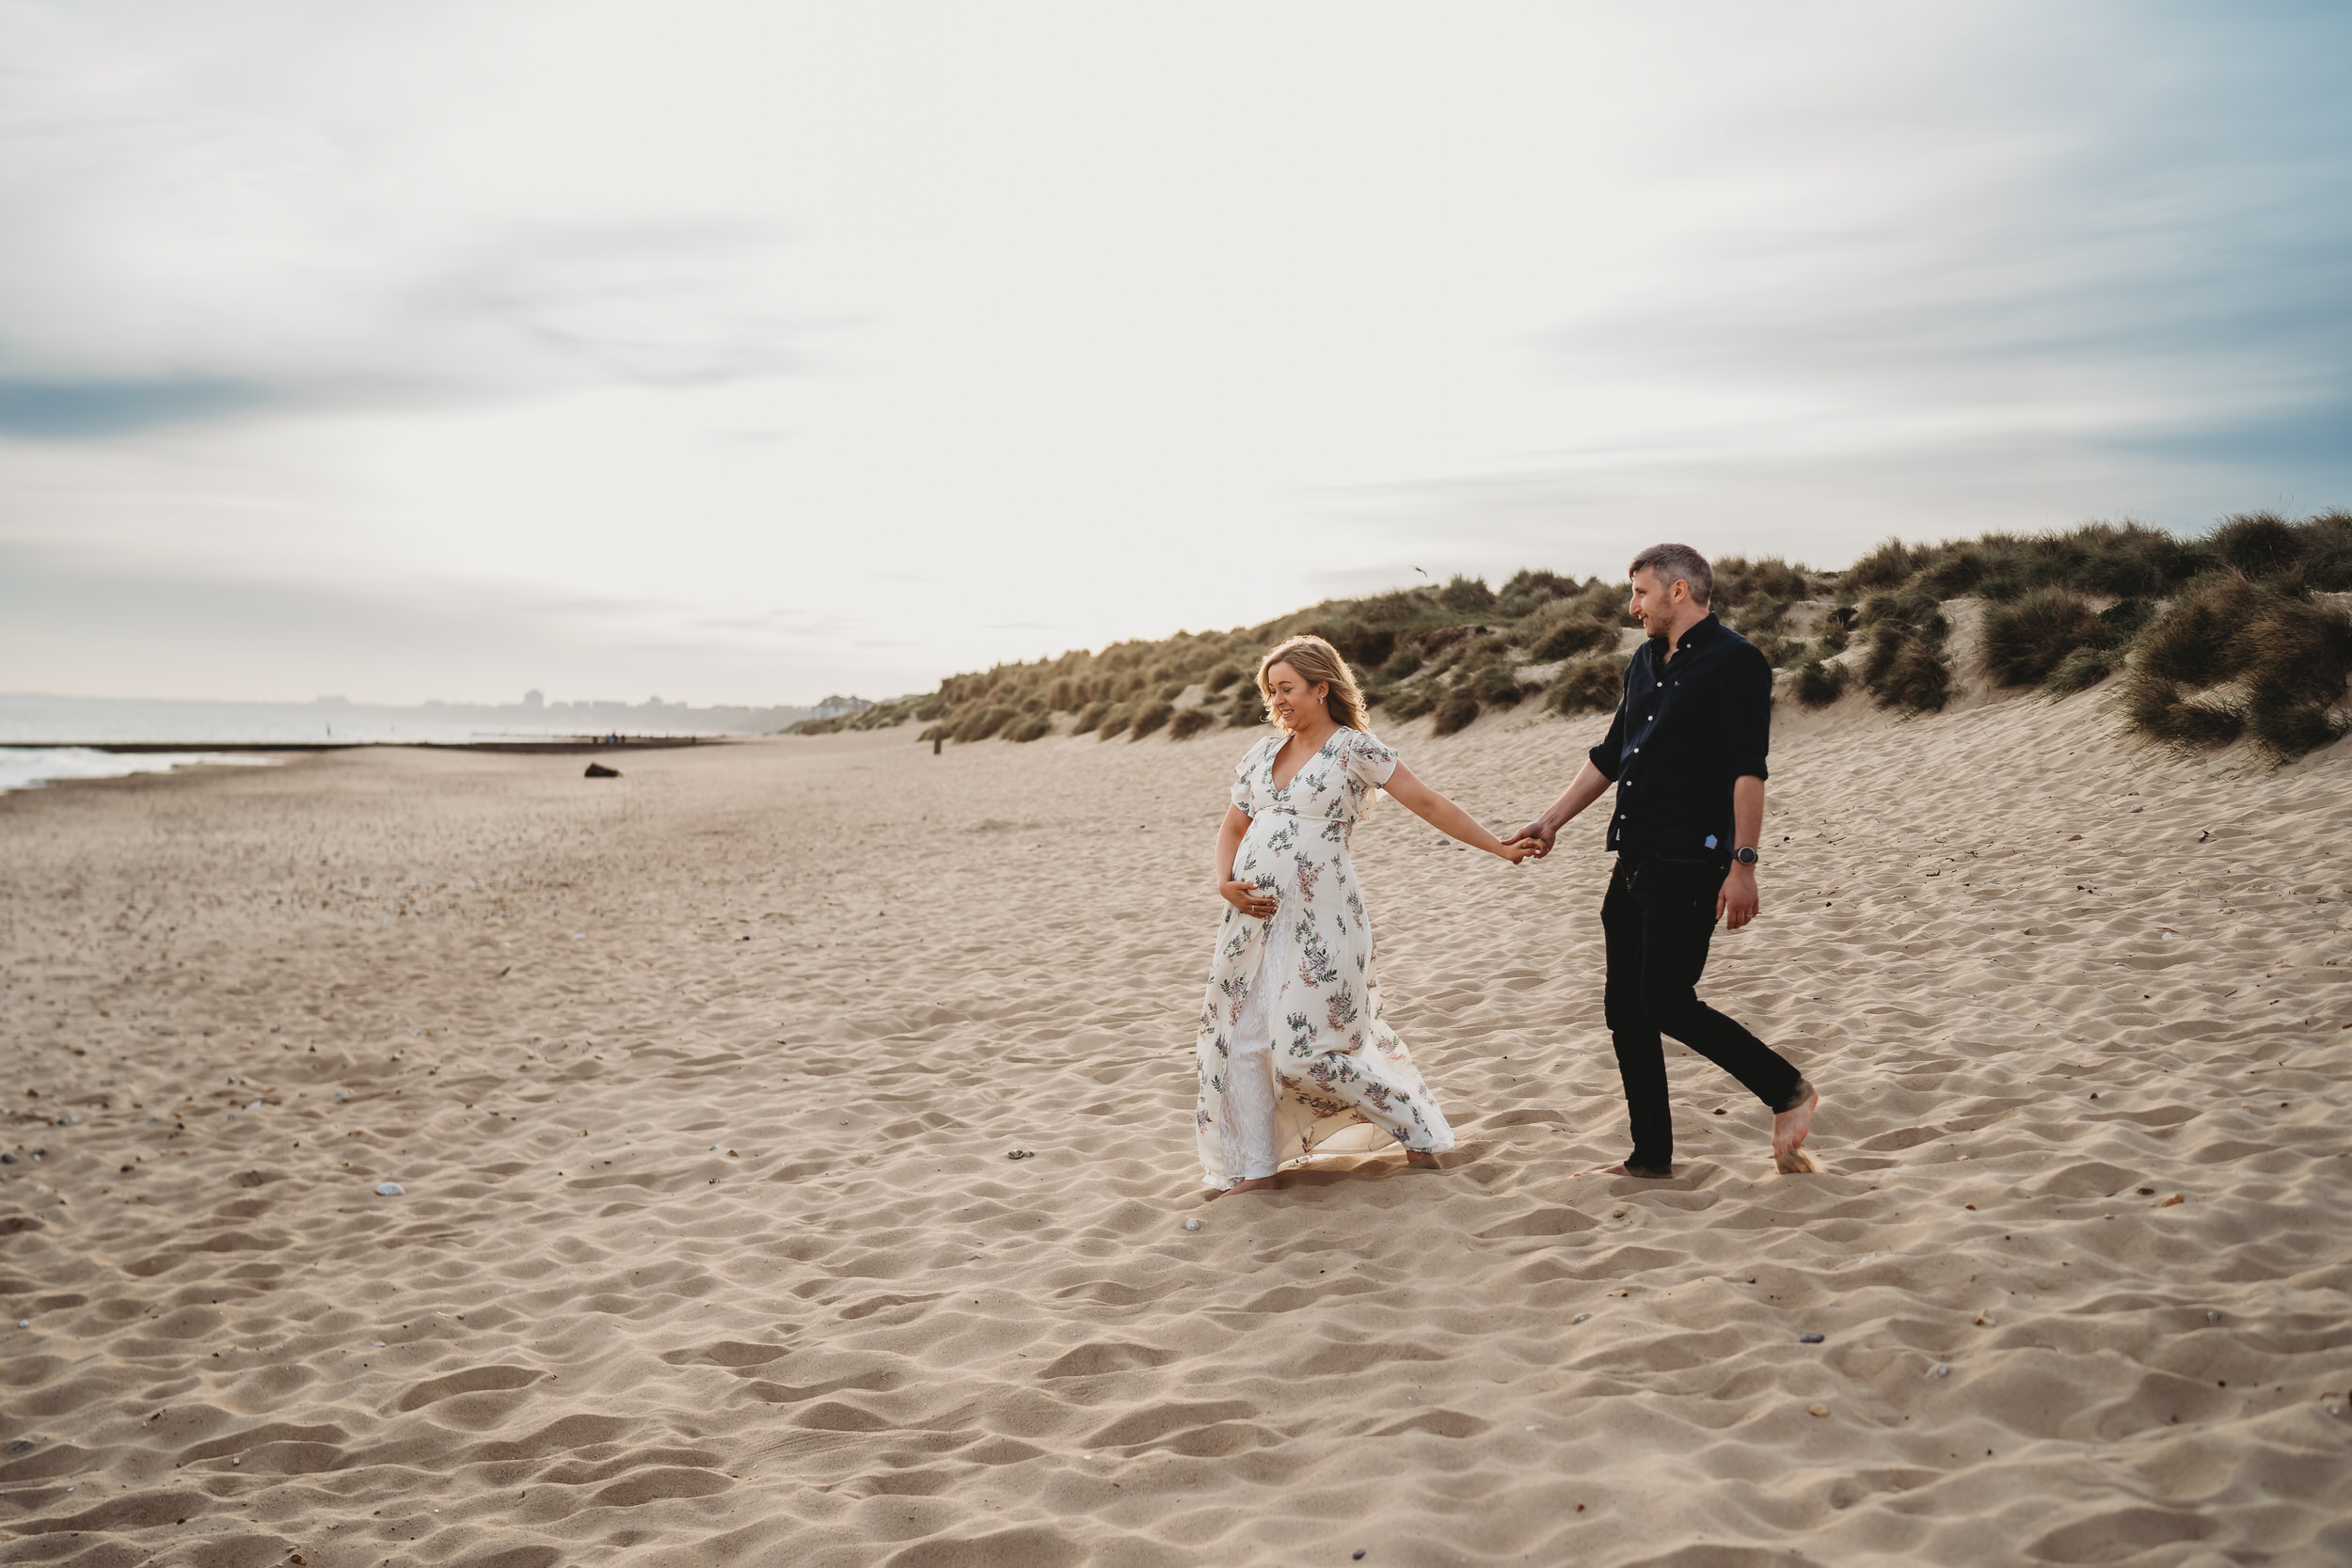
(26, 767)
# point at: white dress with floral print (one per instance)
(1292, 1052)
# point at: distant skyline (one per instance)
(748, 353)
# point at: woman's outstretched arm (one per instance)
(1451, 819)
(1244, 897)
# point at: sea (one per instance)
(45, 738)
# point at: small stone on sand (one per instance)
(390, 1188)
(1817, 1409)
(2169, 1202)
(1192, 1224)
(1808, 1339)
(1940, 1369)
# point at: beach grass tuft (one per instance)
(1817, 685)
(1149, 716)
(1566, 639)
(1189, 721)
(1455, 712)
(1904, 666)
(2081, 669)
(1591, 685)
(2024, 639)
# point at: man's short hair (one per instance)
(1673, 564)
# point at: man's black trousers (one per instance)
(1658, 920)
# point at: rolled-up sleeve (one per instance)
(1746, 714)
(1609, 757)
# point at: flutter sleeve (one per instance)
(1368, 762)
(1244, 771)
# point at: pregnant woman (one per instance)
(1293, 1049)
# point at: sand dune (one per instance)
(700, 1083)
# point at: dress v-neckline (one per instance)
(1284, 788)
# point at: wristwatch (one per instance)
(1745, 855)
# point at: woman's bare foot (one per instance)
(1788, 1132)
(1255, 1185)
(1423, 1159)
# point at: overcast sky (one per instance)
(750, 352)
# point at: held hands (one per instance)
(1248, 898)
(1518, 849)
(1537, 836)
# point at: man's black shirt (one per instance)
(1685, 729)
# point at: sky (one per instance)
(738, 352)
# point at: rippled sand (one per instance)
(701, 1084)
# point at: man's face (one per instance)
(1654, 604)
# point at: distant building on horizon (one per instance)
(833, 708)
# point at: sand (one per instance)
(700, 1085)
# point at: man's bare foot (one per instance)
(1423, 1159)
(1788, 1132)
(1622, 1169)
(1255, 1185)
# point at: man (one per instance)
(1686, 752)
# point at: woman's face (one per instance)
(1297, 705)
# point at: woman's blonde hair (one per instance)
(1317, 663)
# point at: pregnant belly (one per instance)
(1277, 855)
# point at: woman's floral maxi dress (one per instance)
(1292, 1051)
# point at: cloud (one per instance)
(66, 411)
(206, 224)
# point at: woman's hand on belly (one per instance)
(1253, 901)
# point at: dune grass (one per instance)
(1189, 721)
(1455, 712)
(1817, 685)
(1149, 716)
(1904, 667)
(2027, 639)
(2174, 608)
(2081, 669)
(1587, 686)
(2231, 656)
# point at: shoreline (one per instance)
(565, 744)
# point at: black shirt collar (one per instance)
(1699, 633)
